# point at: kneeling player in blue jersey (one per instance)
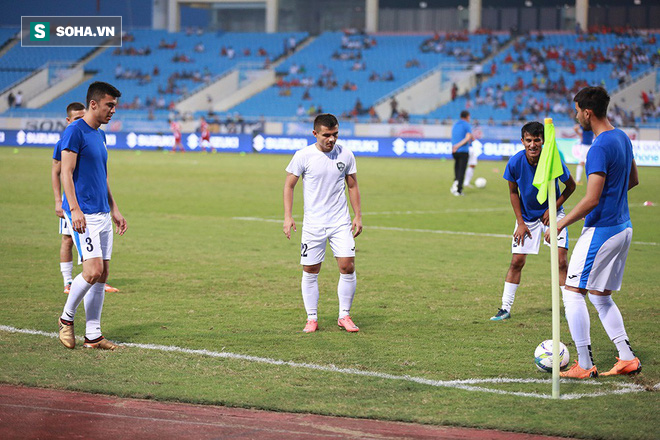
(532, 218)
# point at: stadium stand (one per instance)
(539, 74)
(153, 69)
(349, 71)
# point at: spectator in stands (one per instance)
(199, 47)
(413, 62)
(394, 108)
(119, 71)
(11, 99)
(300, 112)
(18, 100)
(454, 91)
(230, 53)
(358, 65)
(306, 96)
(374, 77)
(389, 76)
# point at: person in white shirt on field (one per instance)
(326, 168)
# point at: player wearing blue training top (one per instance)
(461, 138)
(532, 218)
(599, 257)
(90, 211)
(74, 111)
(586, 139)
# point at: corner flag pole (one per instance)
(548, 169)
(554, 271)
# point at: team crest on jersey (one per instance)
(341, 166)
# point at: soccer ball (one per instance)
(480, 182)
(543, 356)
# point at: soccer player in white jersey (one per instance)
(326, 168)
(90, 211)
(532, 217)
(74, 111)
(598, 260)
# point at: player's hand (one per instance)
(546, 236)
(120, 222)
(58, 210)
(357, 226)
(289, 224)
(78, 222)
(546, 217)
(521, 232)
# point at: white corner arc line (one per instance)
(426, 231)
(466, 384)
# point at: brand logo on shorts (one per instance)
(341, 166)
(570, 277)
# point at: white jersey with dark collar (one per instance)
(324, 185)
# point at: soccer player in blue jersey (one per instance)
(598, 260)
(74, 111)
(586, 139)
(532, 218)
(90, 211)
(461, 138)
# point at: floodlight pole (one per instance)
(554, 269)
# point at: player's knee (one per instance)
(347, 267)
(314, 269)
(518, 262)
(67, 240)
(93, 272)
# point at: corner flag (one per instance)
(549, 167)
(547, 171)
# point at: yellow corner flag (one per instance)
(549, 167)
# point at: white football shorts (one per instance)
(474, 155)
(599, 258)
(97, 240)
(584, 149)
(532, 244)
(64, 227)
(313, 243)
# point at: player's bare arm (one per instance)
(633, 181)
(568, 190)
(590, 200)
(289, 223)
(356, 203)
(56, 182)
(119, 220)
(69, 159)
(522, 230)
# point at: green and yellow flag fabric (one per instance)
(549, 167)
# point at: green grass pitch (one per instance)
(193, 275)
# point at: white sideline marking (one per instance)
(426, 231)
(466, 384)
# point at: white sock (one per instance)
(612, 321)
(578, 172)
(79, 288)
(66, 268)
(577, 316)
(346, 292)
(93, 309)
(310, 294)
(508, 295)
(468, 176)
